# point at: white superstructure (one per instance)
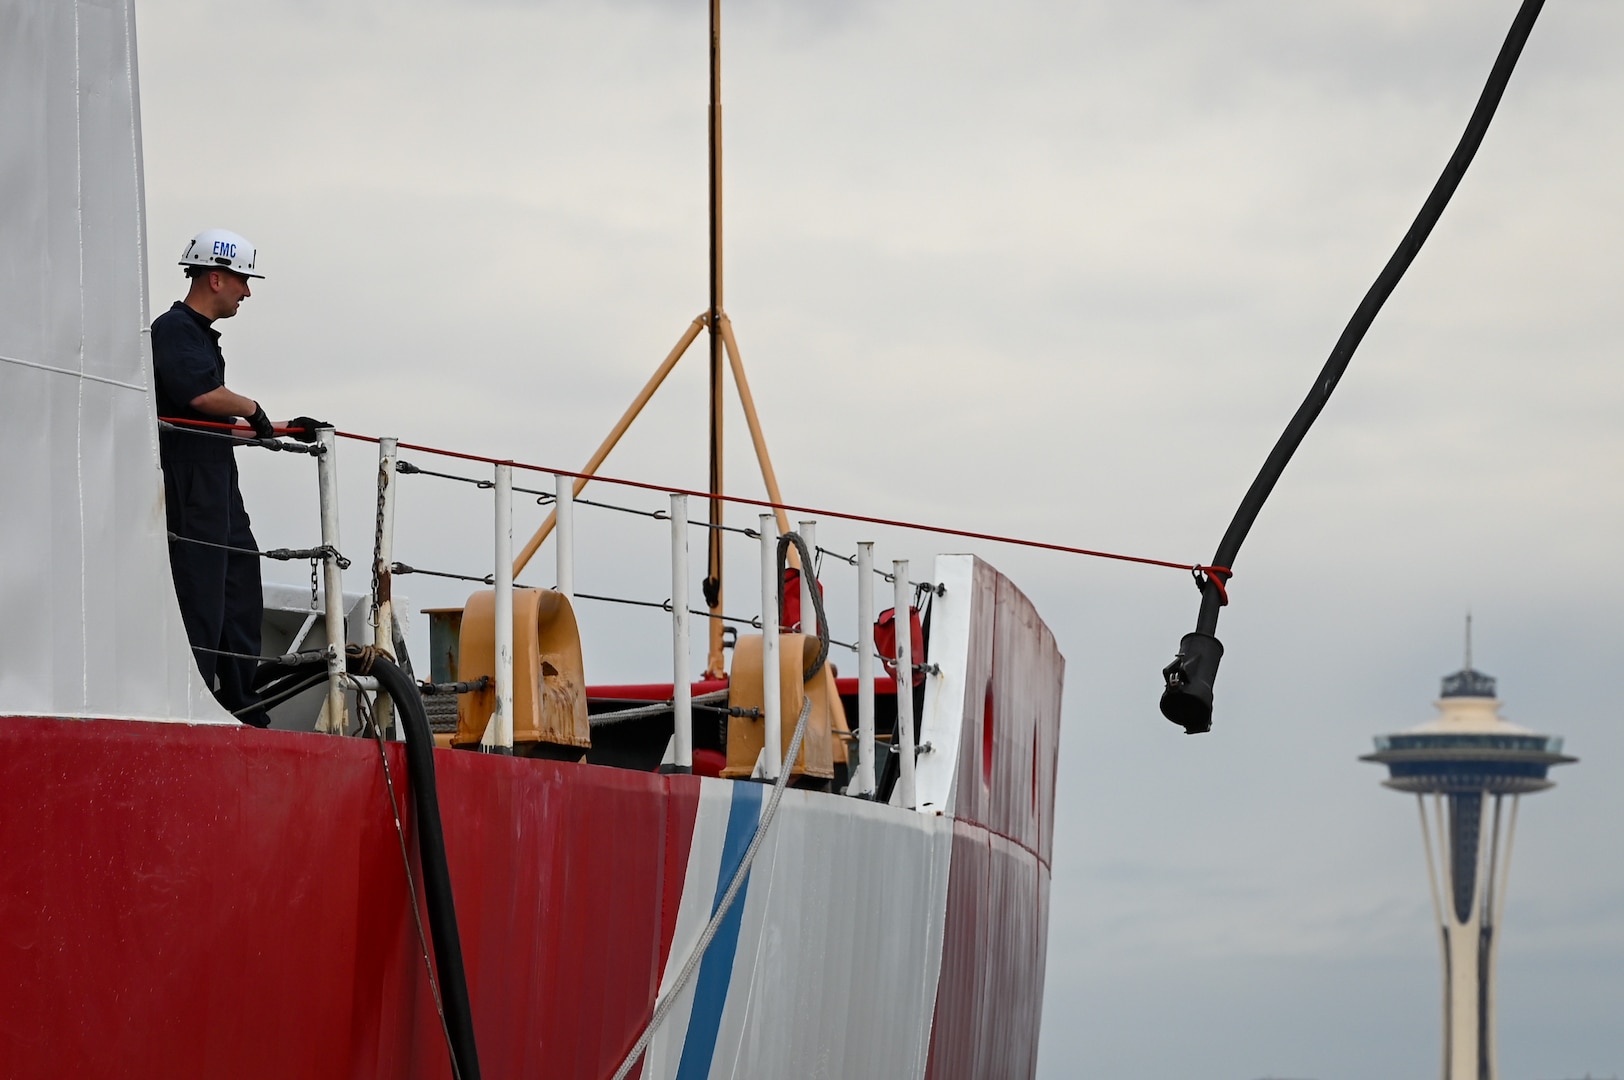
(91, 625)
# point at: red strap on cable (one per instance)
(1218, 576)
(179, 422)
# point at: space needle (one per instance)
(1462, 766)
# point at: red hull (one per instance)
(209, 901)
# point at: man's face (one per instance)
(230, 290)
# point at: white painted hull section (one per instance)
(837, 950)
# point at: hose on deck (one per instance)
(279, 681)
(402, 690)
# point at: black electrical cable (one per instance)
(402, 689)
(820, 621)
(1187, 698)
(401, 686)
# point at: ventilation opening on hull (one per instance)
(986, 736)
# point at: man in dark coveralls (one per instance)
(219, 590)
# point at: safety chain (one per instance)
(377, 538)
(315, 555)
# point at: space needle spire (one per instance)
(1462, 767)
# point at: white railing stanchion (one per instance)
(903, 738)
(332, 579)
(809, 614)
(682, 701)
(865, 669)
(772, 751)
(383, 606)
(564, 530)
(501, 725)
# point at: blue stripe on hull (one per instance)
(716, 970)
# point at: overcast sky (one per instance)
(1058, 270)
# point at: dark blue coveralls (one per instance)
(219, 591)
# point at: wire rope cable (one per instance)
(658, 708)
(281, 695)
(276, 554)
(411, 885)
(663, 1007)
(767, 504)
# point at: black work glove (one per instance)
(263, 428)
(304, 428)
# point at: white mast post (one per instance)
(865, 669)
(903, 739)
(332, 578)
(564, 515)
(383, 606)
(501, 724)
(682, 702)
(772, 749)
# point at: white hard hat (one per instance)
(221, 248)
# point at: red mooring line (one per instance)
(744, 501)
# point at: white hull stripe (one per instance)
(716, 970)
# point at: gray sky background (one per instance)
(1060, 270)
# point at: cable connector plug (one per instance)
(1187, 698)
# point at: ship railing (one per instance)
(382, 626)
